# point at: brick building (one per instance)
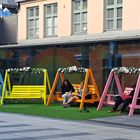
(99, 34)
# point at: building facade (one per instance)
(99, 34)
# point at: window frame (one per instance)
(81, 12)
(52, 16)
(114, 19)
(34, 18)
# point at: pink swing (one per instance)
(127, 90)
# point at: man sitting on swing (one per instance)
(125, 99)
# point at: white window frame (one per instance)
(51, 16)
(115, 6)
(81, 12)
(34, 18)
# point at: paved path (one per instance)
(24, 127)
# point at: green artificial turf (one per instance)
(57, 111)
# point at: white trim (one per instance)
(79, 39)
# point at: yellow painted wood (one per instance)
(25, 91)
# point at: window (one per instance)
(33, 22)
(79, 24)
(51, 20)
(113, 15)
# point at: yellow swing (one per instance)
(16, 91)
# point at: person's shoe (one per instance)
(110, 111)
(66, 105)
(120, 112)
(84, 110)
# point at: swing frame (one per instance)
(1, 81)
(89, 75)
(133, 105)
(25, 91)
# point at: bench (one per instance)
(27, 92)
(91, 91)
(110, 97)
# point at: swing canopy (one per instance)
(126, 70)
(72, 69)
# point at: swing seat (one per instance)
(91, 90)
(110, 97)
(27, 92)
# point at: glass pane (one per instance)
(54, 21)
(37, 11)
(31, 33)
(55, 30)
(31, 23)
(36, 23)
(77, 28)
(110, 2)
(84, 27)
(49, 31)
(55, 9)
(119, 1)
(77, 18)
(119, 23)
(110, 13)
(49, 22)
(84, 17)
(110, 24)
(49, 10)
(31, 12)
(119, 12)
(76, 5)
(84, 4)
(37, 32)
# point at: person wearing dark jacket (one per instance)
(66, 91)
(125, 100)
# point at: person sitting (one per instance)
(125, 99)
(66, 91)
(79, 95)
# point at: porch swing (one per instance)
(114, 74)
(20, 91)
(93, 89)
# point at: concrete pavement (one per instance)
(25, 127)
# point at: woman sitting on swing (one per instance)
(66, 91)
(78, 96)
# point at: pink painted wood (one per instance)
(105, 91)
(134, 105)
(118, 84)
